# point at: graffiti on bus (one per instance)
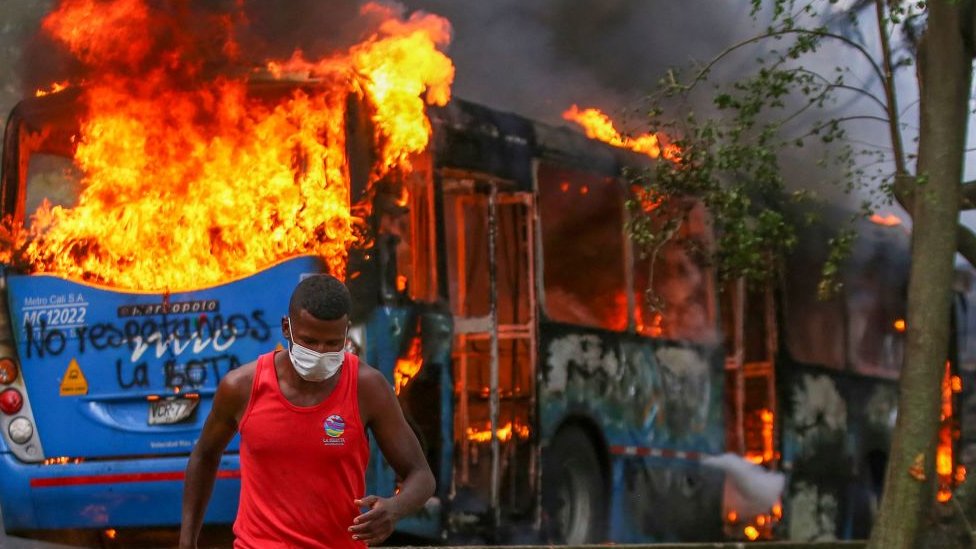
(165, 336)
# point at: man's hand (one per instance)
(376, 524)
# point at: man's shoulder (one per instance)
(240, 379)
(369, 377)
(375, 393)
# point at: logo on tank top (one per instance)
(334, 427)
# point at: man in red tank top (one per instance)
(303, 414)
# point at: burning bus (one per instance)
(152, 233)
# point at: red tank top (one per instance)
(301, 466)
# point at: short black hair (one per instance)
(324, 296)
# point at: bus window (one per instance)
(674, 290)
(421, 266)
(583, 248)
(54, 178)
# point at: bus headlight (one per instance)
(20, 430)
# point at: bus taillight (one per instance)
(11, 401)
(8, 371)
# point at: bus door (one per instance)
(750, 381)
(490, 264)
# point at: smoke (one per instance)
(538, 58)
(219, 36)
(749, 488)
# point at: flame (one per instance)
(653, 328)
(407, 367)
(53, 88)
(949, 474)
(62, 460)
(648, 199)
(755, 526)
(900, 325)
(599, 126)
(189, 180)
(768, 453)
(889, 220)
(505, 432)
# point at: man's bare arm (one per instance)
(218, 430)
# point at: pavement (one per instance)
(11, 542)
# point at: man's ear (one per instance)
(284, 327)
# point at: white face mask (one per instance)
(311, 365)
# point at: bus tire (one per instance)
(574, 496)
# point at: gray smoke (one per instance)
(538, 58)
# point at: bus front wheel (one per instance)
(573, 492)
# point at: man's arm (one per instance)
(201, 471)
(402, 451)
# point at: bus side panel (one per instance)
(658, 407)
(836, 432)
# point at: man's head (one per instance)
(324, 296)
(318, 314)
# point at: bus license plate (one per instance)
(175, 410)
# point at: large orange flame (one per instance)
(599, 126)
(190, 178)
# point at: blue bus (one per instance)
(503, 300)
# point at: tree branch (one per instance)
(823, 34)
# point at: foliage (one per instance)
(730, 153)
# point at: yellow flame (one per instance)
(598, 125)
(407, 367)
(53, 88)
(505, 432)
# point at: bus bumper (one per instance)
(103, 494)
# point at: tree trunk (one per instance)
(944, 74)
